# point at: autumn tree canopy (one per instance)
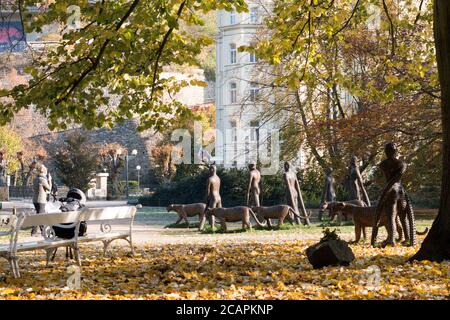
(119, 51)
(344, 77)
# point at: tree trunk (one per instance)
(115, 185)
(436, 246)
(309, 138)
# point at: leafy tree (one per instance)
(163, 162)
(112, 159)
(397, 96)
(10, 143)
(119, 51)
(165, 167)
(76, 161)
(436, 246)
(30, 155)
(340, 87)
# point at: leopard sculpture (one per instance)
(234, 214)
(187, 210)
(333, 210)
(280, 212)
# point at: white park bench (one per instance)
(13, 224)
(106, 217)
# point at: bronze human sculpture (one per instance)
(4, 189)
(254, 188)
(328, 193)
(394, 200)
(3, 170)
(356, 190)
(213, 199)
(293, 194)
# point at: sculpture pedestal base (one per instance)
(4, 193)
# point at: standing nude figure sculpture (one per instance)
(294, 194)
(3, 168)
(328, 194)
(394, 200)
(254, 188)
(356, 188)
(213, 199)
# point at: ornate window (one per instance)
(252, 56)
(233, 92)
(233, 17)
(233, 130)
(254, 90)
(254, 15)
(233, 53)
(254, 127)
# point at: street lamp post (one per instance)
(257, 146)
(127, 157)
(138, 168)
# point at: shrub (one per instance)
(76, 161)
(234, 182)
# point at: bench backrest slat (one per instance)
(111, 213)
(49, 219)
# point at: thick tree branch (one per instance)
(162, 46)
(338, 101)
(418, 14)
(347, 22)
(314, 151)
(96, 61)
(391, 27)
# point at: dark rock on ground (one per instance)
(330, 253)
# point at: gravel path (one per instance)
(144, 234)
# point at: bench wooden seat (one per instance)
(13, 224)
(44, 244)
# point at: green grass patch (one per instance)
(328, 223)
(209, 230)
(283, 228)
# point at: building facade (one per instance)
(240, 135)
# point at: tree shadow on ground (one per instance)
(183, 225)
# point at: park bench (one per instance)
(105, 217)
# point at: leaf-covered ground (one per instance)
(248, 270)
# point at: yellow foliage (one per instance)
(249, 270)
